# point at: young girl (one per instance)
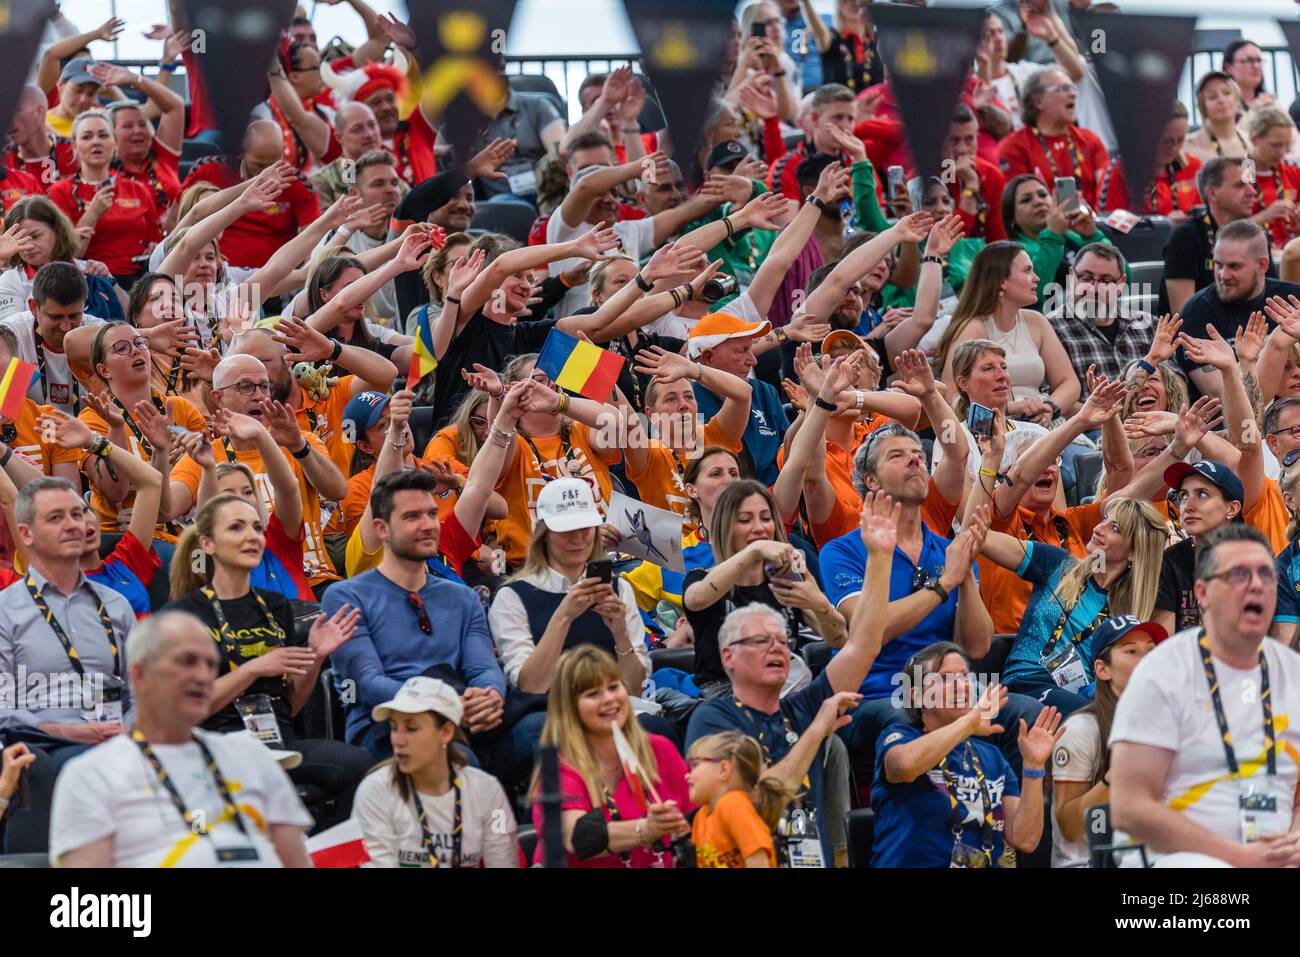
(739, 806)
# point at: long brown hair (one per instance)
(1102, 709)
(41, 210)
(691, 475)
(191, 567)
(979, 294)
(725, 509)
(768, 793)
(455, 761)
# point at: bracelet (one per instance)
(641, 282)
(640, 828)
(689, 294)
(303, 452)
(932, 259)
(504, 438)
(967, 191)
(562, 404)
(778, 72)
(1033, 773)
(337, 351)
(630, 129)
(781, 335)
(820, 203)
(677, 298)
(860, 399)
(168, 67)
(699, 372)
(4, 804)
(631, 650)
(823, 404)
(399, 446)
(1053, 42)
(731, 230)
(989, 472)
(4, 459)
(1145, 366)
(453, 299)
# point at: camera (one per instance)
(719, 287)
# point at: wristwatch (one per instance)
(934, 585)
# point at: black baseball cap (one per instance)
(728, 151)
(1112, 630)
(1215, 473)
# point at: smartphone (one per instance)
(179, 430)
(758, 28)
(601, 568)
(1066, 192)
(916, 192)
(980, 421)
(774, 574)
(896, 179)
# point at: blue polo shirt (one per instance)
(844, 565)
(766, 428)
(1288, 584)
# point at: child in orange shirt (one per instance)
(738, 807)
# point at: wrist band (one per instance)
(778, 72)
(641, 282)
(630, 129)
(989, 472)
(453, 299)
(690, 293)
(562, 404)
(823, 404)
(4, 459)
(1145, 366)
(303, 452)
(1033, 773)
(4, 805)
(1053, 42)
(967, 191)
(932, 259)
(337, 351)
(781, 335)
(502, 437)
(677, 297)
(167, 67)
(731, 230)
(819, 203)
(860, 399)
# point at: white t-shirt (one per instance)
(1075, 760)
(391, 829)
(56, 377)
(1167, 705)
(16, 289)
(1009, 85)
(636, 235)
(111, 791)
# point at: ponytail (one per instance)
(184, 577)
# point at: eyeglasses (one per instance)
(417, 603)
(1062, 88)
(1090, 278)
(246, 388)
(477, 422)
(692, 763)
(1294, 432)
(1240, 576)
(762, 641)
(124, 347)
(1249, 61)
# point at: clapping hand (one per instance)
(1036, 743)
(327, 634)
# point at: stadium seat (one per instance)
(860, 828)
(680, 658)
(421, 423)
(191, 152)
(1087, 473)
(24, 860)
(1146, 241)
(334, 718)
(993, 662)
(818, 655)
(511, 219)
(537, 84)
(159, 587)
(527, 841)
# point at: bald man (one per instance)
(31, 147)
(358, 133)
(252, 239)
(240, 384)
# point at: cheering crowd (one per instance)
(319, 506)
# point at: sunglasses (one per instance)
(417, 603)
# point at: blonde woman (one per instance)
(1051, 659)
(609, 819)
(1218, 100)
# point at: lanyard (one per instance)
(760, 735)
(1083, 635)
(1265, 700)
(455, 826)
(1075, 155)
(52, 163)
(1211, 232)
(958, 809)
(1171, 171)
(227, 637)
(564, 447)
(145, 447)
(60, 634)
(1218, 150)
(228, 804)
(1062, 531)
(73, 389)
(150, 170)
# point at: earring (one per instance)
(1002, 292)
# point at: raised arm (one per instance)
(51, 65)
(314, 131)
(879, 529)
(471, 506)
(256, 199)
(910, 229)
(171, 109)
(737, 395)
(369, 369)
(929, 286)
(593, 244)
(412, 254)
(323, 474)
(916, 378)
(284, 483)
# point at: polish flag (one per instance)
(340, 846)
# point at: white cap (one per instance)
(566, 504)
(420, 694)
(286, 759)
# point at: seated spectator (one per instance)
(831, 106)
(1173, 191)
(357, 131)
(1241, 287)
(296, 88)
(534, 123)
(847, 48)
(22, 433)
(425, 806)
(56, 307)
(1050, 144)
(383, 88)
(977, 184)
(1164, 741)
(1242, 60)
(1096, 329)
(611, 106)
(608, 820)
(122, 215)
(336, 307)
(127, 805)
(395, 638)
(1189, 251)
(919, 825)
(264, 676)
(1218, 103)
(1008, 79)
(739, 806)
(13, 760)
(437, 276)
(1081, 764)
(78, 92)
(1277, 183)
(50, 237)
(1052, 656)
(33, 149)
(151, 159)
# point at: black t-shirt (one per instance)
(485, 341)
(1206, 309)
(634, 384)
(706, 622)
(253, 637)
(1177, 576)
(1189, 254)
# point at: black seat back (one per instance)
(860, 828)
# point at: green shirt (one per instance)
(744, 253)
(1047, 252)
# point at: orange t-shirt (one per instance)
(523, 481)
(29, 442)
(324, 418)
(1269, 515)
(726, 835)
(1006, 594)
(184, 414)
(316, 562)
(445, 444)
(659, 480)
(359, 486)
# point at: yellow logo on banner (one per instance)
(675, 51)
(915, 59)
(5, 15)
(461, 68)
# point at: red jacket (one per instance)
(253, 238)
(1181, 193)
(987, 223)
(1076, 152)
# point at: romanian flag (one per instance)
(15, 382)
(579, 366)
(423, 361)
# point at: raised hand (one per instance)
(1163, 343)
(342, 209)
(282, 423)
(1286, 313)
(1250, 340)
(1213, 351)
(1194, 423)
(806, 327)
(259, 196)
(1102, 403)
(200, 363)
(486, 163)
(59, 428)
(169, 338)
(155, 426)
(673, 262)
(796, 393)
(399, 409)
(697, 284)
(16, 241)
(834, 183)
(758, 96)
(236, 425)
(102, 402)
(916, 378)
(842, 374)
(1036, 743)
(913, 227)
(944, 235)
(198, 446)
(663, 365)
(413, 252)
(761, 211)
(303, 341)
(285, 660)
(327, 634)
(366, 217)
(483, 378)
(878, 523)
(807, 369)
(980, 718)
(596, 243)
(110, 29)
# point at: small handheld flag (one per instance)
(579, 366)
(637, 779)
(423, 360)
(14, 383)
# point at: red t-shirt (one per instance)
(201, 115)
(126, 230)
(289, 551)
(17, 184)
(1181, 194)
(252, 239)
(413, 146)
(1076, 152)
(1267, 189)
(986, 224)
(61, 158)
(160, 174)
